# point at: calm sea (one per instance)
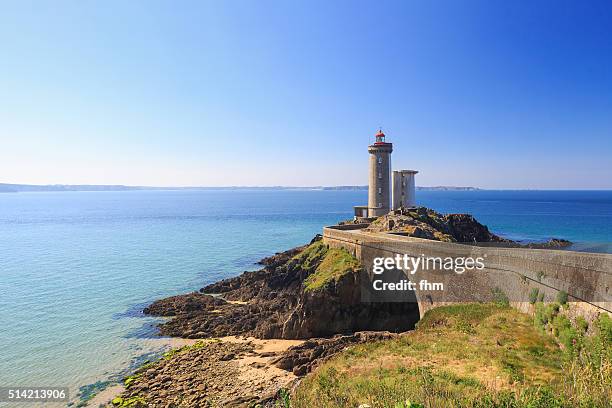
(77, 267)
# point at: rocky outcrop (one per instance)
(184, 304)
(422, 222)
(299, 294)
(425, 223)
(553, 243)
(304, 358)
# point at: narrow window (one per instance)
(379, 190)
(379, 175)
(380, 159)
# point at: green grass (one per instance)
(334, 263)
(471, 355)
(310, 257)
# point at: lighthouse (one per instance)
(379, 193)
(379, 186)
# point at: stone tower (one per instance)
(379, 193)
(403, 189)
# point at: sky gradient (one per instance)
(492, 94)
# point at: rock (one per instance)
(228, 356)
(280, 257)
(303, 358)
(267, 354)
(272, 303)
(177, 381)
(425, 223)
(553, 243)
(240, 401)
(189, 303)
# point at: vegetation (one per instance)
(130, 380)
(587, 363)
(471, 355)
(311, 255)
(131, 402)
(284, 400)
(533, 295)
(500, 298)
(333, 263)
(562, 297)
(170, 354)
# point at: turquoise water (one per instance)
(77, 267)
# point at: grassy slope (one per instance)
(467, 355)
(334, 263)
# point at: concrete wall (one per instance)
(379, 193)
(586, 277)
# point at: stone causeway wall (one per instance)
(586, 277)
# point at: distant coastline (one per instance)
(22, 188)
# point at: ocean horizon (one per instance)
(78, 267)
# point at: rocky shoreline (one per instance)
(228, 372)
(275, 302)
(305, 301)
(256, 334)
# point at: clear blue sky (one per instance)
(494, 94)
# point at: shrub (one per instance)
(562, 328)
(562, 297)
(551, 311)
(500, 298)
(604, 327)
(533, 295)
(540, 318)
(545, 314)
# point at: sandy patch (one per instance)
(104, 398)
